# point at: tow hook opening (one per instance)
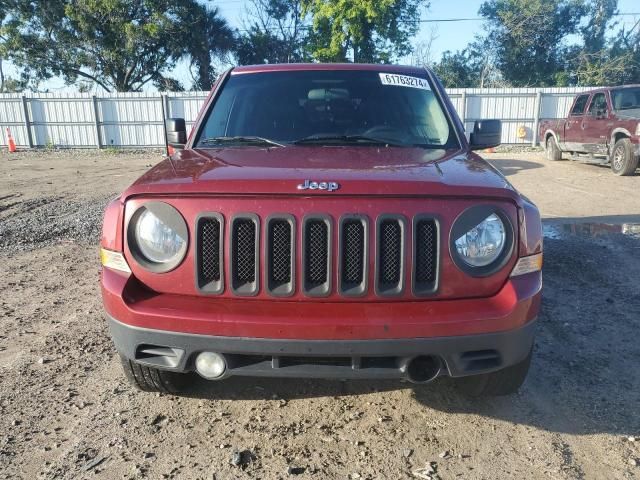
(422, 369)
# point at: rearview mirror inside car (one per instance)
(486, 134)
(176, 132)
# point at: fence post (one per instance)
(27, 124)
(463, 115)
(96, 119)
(164, 100)
(536, 121)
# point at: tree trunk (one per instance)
(1, 77)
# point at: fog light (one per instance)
(210, 365)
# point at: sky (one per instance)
(446, 35)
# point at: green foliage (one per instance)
(201, 35)
(10, 84)
(625, 49)
(527, 37)
(120, 45)
(601, 60)
(455, 70)
(369, 30)
(277, 33)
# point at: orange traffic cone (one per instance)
(11, 142)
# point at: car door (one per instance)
(573, 134)
(595, 124)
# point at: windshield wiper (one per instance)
(240, 140)
(347, 139)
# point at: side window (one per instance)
(598, 104)
(580, 105)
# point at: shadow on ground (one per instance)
(512, 166)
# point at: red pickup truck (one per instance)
(324, 221)
(603, 126)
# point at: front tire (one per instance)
(503, 382)
(553, 151)
(149, 379)
(623, 159)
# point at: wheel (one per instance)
(553, 151)
(623, 159)
(149, 379)
(503, 382)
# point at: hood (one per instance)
(384, 171)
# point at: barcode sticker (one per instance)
(404, 81)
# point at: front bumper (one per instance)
(323, 339)
(346, 359)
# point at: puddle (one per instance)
(558, 231)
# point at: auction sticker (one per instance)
(404, 81)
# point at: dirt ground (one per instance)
(66, 410)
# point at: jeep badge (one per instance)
(328, 186)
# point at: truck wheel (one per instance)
(503, 382)
(553, 152)
(623, 159)
(149, 379)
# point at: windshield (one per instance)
(327, 107)
(626, 98)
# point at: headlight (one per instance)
(482, 245)
(481, 240)
(157, 237)
(638, 129)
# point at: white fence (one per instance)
(79, 120)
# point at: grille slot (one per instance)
(390, 256)
(209, 259)
(353, 255)
(244, 254)
(280, 248)
(425, 255)
(317, 256)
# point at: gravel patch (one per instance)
(46, 221)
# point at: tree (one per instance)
(626, 48)
(591, 63)
(276, 33)
(10, 84)
(365, 30)
(121, 45)
(422, 55)
(600, 15)
(528, 36)
(204, 34)
(473, 67)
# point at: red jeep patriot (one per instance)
(324, 221)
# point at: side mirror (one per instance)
(176, 132)
(601, 113)
(486, 134)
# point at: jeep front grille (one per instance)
(353, 255)
(390, 257)
(393, 267)
(209, 233)
(244, 255)
(316, 256)
(425, 255)
(280, 248)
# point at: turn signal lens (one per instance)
(114, 260)
(532, 263)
